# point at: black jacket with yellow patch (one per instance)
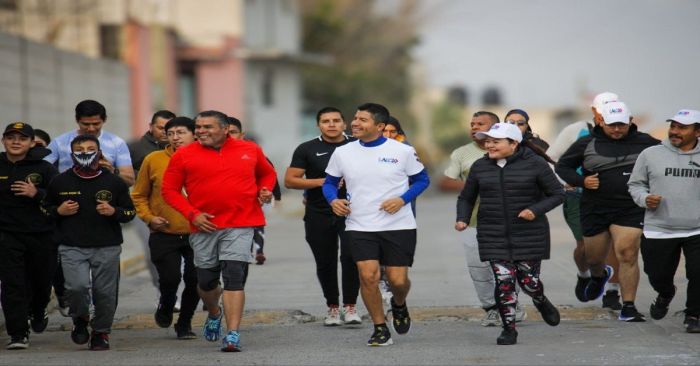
(88, 228)
(21, 213)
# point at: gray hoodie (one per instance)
(675, 176)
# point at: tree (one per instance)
(371, 52)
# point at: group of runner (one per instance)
(62, 206)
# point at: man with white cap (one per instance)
(608, 212)
(572, 204)
(666, 182)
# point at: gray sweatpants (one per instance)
(96, 268)
(480, 272)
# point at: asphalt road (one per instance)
(283, 319)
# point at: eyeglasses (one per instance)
(178, 133)
(519, 123)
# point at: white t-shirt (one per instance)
(373, 175)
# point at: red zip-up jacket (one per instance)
(224, 183)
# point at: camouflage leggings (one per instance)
(527, 273)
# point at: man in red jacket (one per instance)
(225, 180)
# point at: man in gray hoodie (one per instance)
(666, 181)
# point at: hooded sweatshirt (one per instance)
(673, 174)
(611, 159)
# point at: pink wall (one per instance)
(171, 91)
(220, 87)
(136, 55)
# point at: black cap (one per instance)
(21, 128)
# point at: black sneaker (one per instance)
(163, 316)
(380, 338)
(99, 341)
(659, 308)
(692, 324)
(596, 286)
(549, 312)
(22, 342)
(80, 334)
(611, 300)
(580, 290)
(629, 313)
(401, 320)
(508, 336)
(184, 332)
(39, 322)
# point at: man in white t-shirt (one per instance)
(382, 229)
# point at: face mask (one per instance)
(85, 159)
(87, 164)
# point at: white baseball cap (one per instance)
(615, 112)
(602, 99)
(686, 117)
(502, 131)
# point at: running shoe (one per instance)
(18, 342)
(39, 322)
(184, 332)
(692, 325)
(62, 307)
(659, 308)
(611, 300)
(492, 318)
(508, 336)
(401, 320)
(629, 313)
(333, 317)
(580, 291)
(549, 312)
(80, 334)
(385, 290)
(520, 313)
(99, 341)
(596, 286)
(380, 338)
(232, 342)
(212, 327)
(349, 315)
(163, 316)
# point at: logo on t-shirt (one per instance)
(321, 154)
(245, 157)
(103, 195)
(35, 178)
(388, 160)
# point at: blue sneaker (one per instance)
(212, 328)
(232, 342)
(596, 286)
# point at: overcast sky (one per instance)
(543, 53)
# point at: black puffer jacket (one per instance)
(525, 182)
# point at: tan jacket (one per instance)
(146, 193)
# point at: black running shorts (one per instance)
(391, 248)
(596, 218)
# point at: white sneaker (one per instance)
(333, 317)
(491, 319)
(385, 290)
(520, 313)
(350, 316)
